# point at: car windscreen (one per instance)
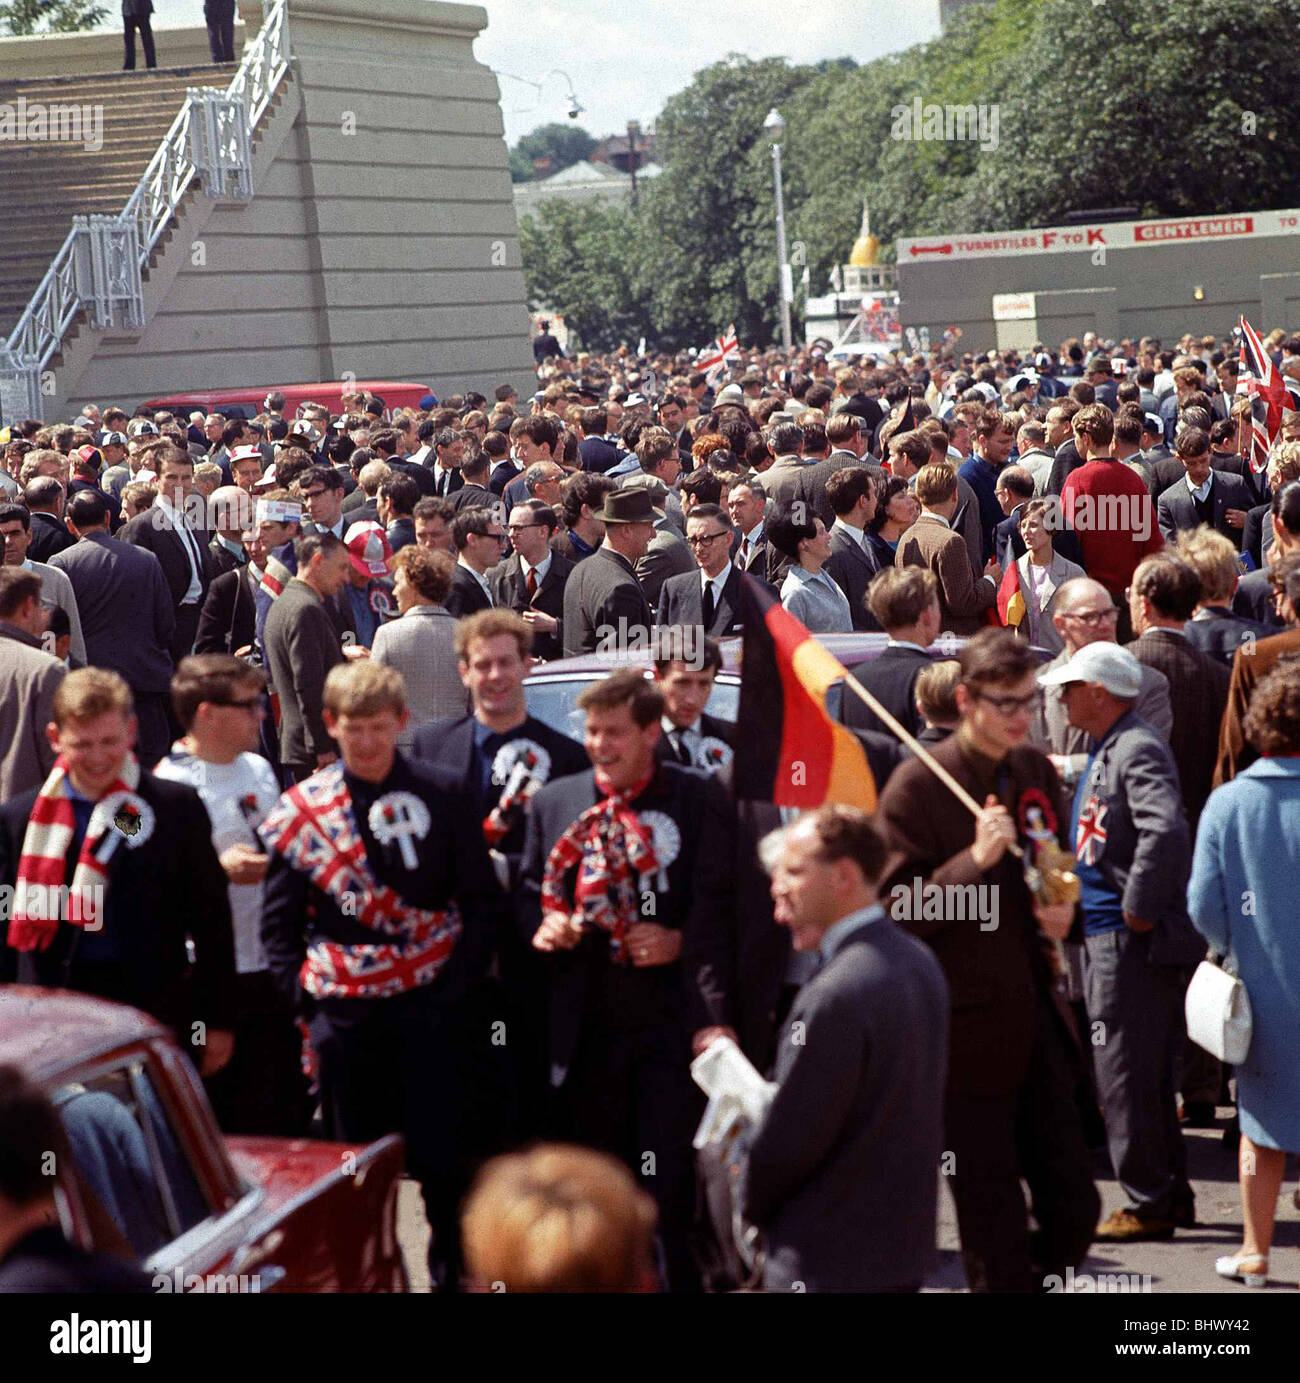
(554, 700)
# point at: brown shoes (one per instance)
(1123, 1226)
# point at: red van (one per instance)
(247, 403)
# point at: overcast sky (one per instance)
(626, 60)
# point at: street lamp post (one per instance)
(774, 127)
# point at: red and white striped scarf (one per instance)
(313, 827)
(42, 865)
(612, 848)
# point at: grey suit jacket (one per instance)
(842, 1173)
(301, 645)
(1176, 510)
(681, 601)
(29, 678)
(421, 646)
(57, 593)
(782, 478)
(668, 555)
(1052, 732)
(601, 592)
(1147, 853)
(127, 616)
(810, 482)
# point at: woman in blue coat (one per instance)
(1241, 897)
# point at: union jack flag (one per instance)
(1259, 380)
(1090, 832)
(715, 362)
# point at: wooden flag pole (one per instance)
(923, 754)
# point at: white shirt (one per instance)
(751, 540)
(222, 788)
(856, 534)
(906, 643)
(689, 735)
(189, 542)
(1201, 492)
(541, 568)
(717, 582)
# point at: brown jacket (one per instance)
(996, 974)
(1250, 663)
(962, 600)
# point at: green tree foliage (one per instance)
(564, 145)
(583, 260)
(1177, 108)
(50, 16)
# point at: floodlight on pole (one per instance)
(774, 129)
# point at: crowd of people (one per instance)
(275, 667)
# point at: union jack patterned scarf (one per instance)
(313, 826)
(611, 848)
(42, 865)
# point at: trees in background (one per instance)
(1179, 108)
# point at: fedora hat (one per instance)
(627, 506)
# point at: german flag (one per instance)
(791, 752)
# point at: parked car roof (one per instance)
(46, 1031)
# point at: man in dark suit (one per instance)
(849, 443)
(746, 505)
(167, 530)
(1214, 629)
(127, 865)
(852, 495)
(841, 1174)
(1162, 597)
(709, 597)
(382, 840)
(475, 490)
(34, 1255)
(127, 616)
(905, 603)
(301, 644)
(504, 757)
(604, 605)
(623, 1007)
(479, 535)
(394, 508)
(1011, 1110)
(1205, 495)
(43, 496)
(690, 735)
(532, 579)
(596, 451)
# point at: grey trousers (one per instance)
(1137, 1054)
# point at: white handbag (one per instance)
(1218, 1013)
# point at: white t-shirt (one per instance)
(237, 796)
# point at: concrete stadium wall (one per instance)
(381, 240)
(1137, 291)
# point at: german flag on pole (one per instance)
(791, 752)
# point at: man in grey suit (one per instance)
(666, 555)
(781, 479)
(1085, 614)
(1204, 495)
(127, 616)
(844, 431)
(842, 1173)
(1133, 850)
(29, 677)
(301, 646)
(603, 603)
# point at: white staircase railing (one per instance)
(62, 294)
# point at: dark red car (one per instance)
(154, 1177)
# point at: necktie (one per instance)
(531, 583)
(708, 604)
(683, 752)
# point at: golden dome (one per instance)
(866, 248)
